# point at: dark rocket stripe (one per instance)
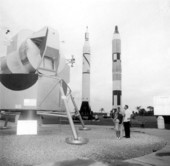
(117, 53)
(119, 100)
(86, 59)
(118, 94)
(86, 72)
(117, 56)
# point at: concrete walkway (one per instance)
(159, 158)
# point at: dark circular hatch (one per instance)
(18, 82)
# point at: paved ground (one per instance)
(161, 157)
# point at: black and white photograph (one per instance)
(84, 82)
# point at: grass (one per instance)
(138, 121)
(144, 121)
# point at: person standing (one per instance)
(126, 121)
(118, 119)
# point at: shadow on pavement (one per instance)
(162, 154)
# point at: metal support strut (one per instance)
(79, 116)
(76, 140)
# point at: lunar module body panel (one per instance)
(31, 71)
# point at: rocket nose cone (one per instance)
(116, 29)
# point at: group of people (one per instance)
(121, 118)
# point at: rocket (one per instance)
(116, 69)
(85, 106)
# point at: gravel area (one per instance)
(49, 145)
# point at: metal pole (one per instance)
(77, 111)
(68, 114)
(6, 121)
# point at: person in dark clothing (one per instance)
(126, 122)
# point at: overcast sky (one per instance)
(144, 26)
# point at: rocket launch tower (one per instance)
(85, 109)
(116, 69)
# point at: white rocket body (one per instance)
(116, 69)
(85, 109)
(86, 70)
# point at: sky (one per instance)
(144, 28)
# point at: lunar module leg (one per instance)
(6, 122)
(76, 140)
(79, 116)
(7, 116)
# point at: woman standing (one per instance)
(118, 120)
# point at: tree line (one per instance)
(143, 112)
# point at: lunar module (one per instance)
(34, 78)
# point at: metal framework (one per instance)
(64, 95)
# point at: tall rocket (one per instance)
(116, 69)
(85, 107)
